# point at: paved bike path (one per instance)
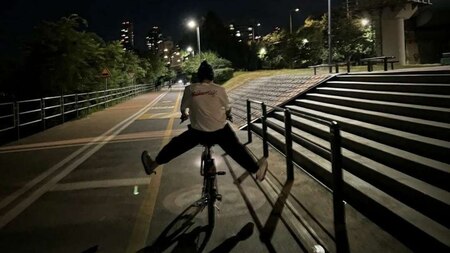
(80, 186)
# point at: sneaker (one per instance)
(261, 173)
(149, 164)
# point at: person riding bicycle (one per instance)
(207, 106)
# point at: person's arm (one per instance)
(227, 106)
(185, 103)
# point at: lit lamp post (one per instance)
(190, 50)
(290, 18)
(193, 24)
(258, 32)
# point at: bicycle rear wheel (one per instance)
(211, 202)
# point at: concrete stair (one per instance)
(395, 132)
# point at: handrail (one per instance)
(14, 115)
(287, 129)
(342, 245)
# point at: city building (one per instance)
(170, 53)
(154, 39)
(246, 34)
(127, 35)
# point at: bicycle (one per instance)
(210, 190)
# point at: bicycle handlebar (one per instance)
(184, 117)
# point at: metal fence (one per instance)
(18, 114)
(334, 153)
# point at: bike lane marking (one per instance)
(139, 235)
(94, 146)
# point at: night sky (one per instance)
(17, 18)
(105, 16)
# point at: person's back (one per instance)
(207, 103)
(207, 106)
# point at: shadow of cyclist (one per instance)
(177, 232)
(243, 234)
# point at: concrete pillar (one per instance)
(394, 38)
(393, 31)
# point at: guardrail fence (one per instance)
(334, 154)
(16, 115)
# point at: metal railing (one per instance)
(335, 155)
(14, 115)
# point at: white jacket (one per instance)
(207, 104)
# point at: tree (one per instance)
(61, 58)
(350, 38)
(312, 36)
(275, 44)
(221, 66)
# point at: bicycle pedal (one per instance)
(219, 197)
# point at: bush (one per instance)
(222, 75)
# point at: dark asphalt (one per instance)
(80, 187)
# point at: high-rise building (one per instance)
(154, 39)
(127, 35)
(243, 33)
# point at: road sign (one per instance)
(106, 73)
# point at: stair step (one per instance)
(421, 195)
(397, 77)
(429, 147)
(435, 88)
(413, 125)
(371, 201)
(431, 171)
(411, 110)
(399, 97)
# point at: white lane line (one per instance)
(101, 184)
(130, 137)
(20, 207)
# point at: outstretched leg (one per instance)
(177, 146)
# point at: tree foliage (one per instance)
(220, 65)
(309, 44)
(351, 40)
(62, 58)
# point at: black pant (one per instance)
(225, 138)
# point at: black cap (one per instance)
(205, 72)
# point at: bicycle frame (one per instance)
(210, 191)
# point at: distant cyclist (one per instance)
(207, 106)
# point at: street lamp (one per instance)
(190, 50)
(192, 24)
(258, 32)
(365, 22)
(290, 18)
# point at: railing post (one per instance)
(340, 230)
(17, 112)
(249, 129)
(62, 108)
(43, 112)
(264, 129)
(288, 136)
(76, 103)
